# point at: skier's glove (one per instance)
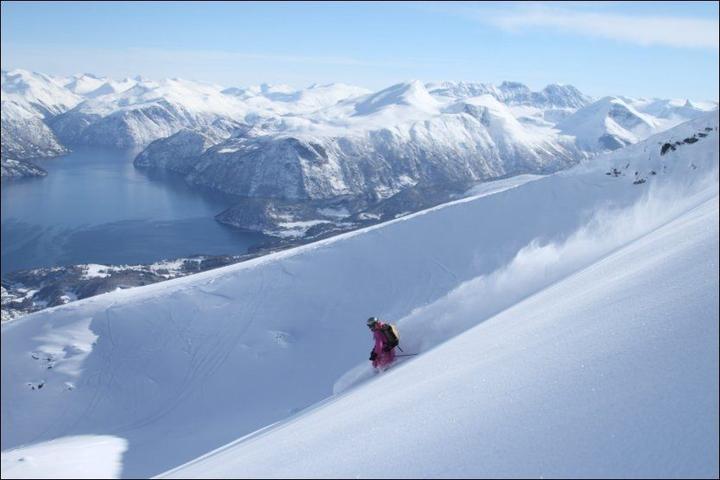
(373, 355)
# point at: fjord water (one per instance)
(94, 206)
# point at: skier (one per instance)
(386, 339)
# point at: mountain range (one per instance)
(290, 156)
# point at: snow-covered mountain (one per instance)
(608, 124)
(365, 148)
(24, 133)
(84, 84)
(381, 154)
(515, 93)
(376, 145)
(110, 87)
(614, 122)
(38, 92)
(672, 111)
(28, 100)
(598, 355)
(91, 110)
(144, 112)
(410, 133)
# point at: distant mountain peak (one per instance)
(410, 94)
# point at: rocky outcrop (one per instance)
(177, 153)
(10, 168)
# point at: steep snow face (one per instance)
(85, 83)
(412, 95)
(613, 122)
(28, 99)
(599, 375)
(514, 93)
(608, 124)
(111, 87)
(672, 112)
(24, 133)
(552, 96)
(38, 92)
(497, 118)
(180, 368)
(459, 90)
(311, 99)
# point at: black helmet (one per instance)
(371, 321)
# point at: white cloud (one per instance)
(642, 30)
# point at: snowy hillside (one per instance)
(25, 135)
(28, 100)
(38, 92)
(609, 373)
(608, 124)
(140, 381)
(613, 122)
(84, 84)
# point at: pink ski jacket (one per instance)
(382, 358)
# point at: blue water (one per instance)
(95, 207)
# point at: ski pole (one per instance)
(407, 355)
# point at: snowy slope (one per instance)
(36, 91)
(111, 87)
(514, 93)
(84, 84)
(28, 100)
(608, 124)
(24, 134)
(174, 370)
(609, 373)
(673, 111)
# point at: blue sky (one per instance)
(663, 49)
